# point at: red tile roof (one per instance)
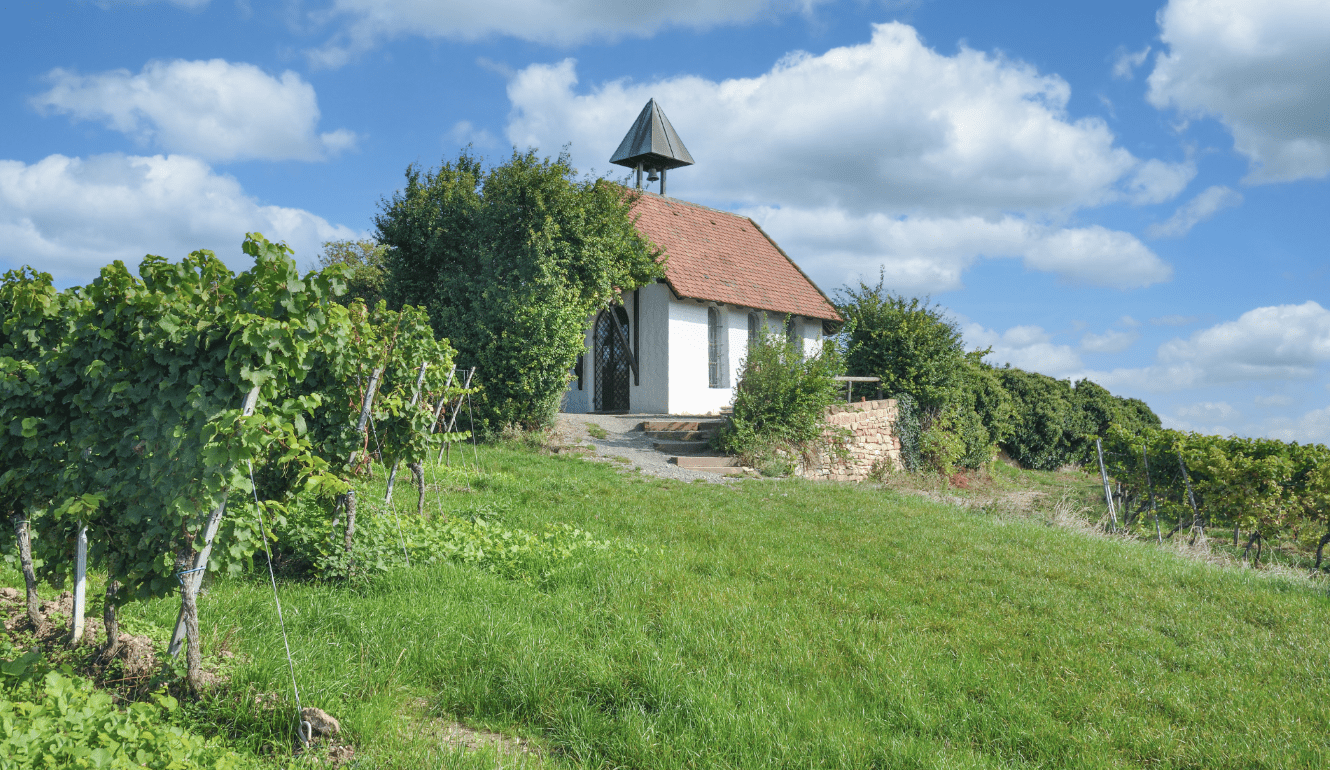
(722, 257)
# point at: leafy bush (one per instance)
(50, 719)
(307, 543)
(909, 431)
(1057, 422)
(781, 400)
(911, 345)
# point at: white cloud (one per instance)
(213, 109)
(1129, 322)
(1281, 342)
(1259, 67)
(1156, 181)
(1098, 256)
(1208, 410)
(69, 216)
(883, 152)
(369, 22)
(1111, 341)
(1124, 67)
(885, 125)
(1195, 211)
(1024, 347)
(930, 254)
(1311, 428)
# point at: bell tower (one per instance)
(651, 145)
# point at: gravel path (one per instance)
(623, 439)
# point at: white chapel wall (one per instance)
(689, 380)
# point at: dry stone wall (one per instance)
(871, 442)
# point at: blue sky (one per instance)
(1133, 192)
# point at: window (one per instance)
(714, 347)
(754, 329)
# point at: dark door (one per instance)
(611, 363)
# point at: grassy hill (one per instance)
(786, 624)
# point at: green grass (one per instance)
(790, 624)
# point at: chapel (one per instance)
(676, 346)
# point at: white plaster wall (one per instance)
(812, 336)
(689, 383)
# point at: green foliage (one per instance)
(1057, 422)
(910, 344)
(307, 543)
(917, 350)
(51, 719)
(909, 431)
(781, 400)
(1046, 422)
(362, 263)
(510, 262)
(131, 388)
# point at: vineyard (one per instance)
(173, 423)
(190, 420)
(1269, 493)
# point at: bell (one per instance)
(653, 176)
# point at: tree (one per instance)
(511, 261)
(917, 350)
(910, 344)
(365, 272)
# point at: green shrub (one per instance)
(909, 431)
(308, 543)
(780, 403)
(50, 719)
(910, 344)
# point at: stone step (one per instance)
(655, 425)
(682, 447)
(726, 470)
(681, 435)
(710, 462)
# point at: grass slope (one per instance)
(792, 624)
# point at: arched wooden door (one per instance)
(611, 363)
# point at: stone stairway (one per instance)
(688, 441)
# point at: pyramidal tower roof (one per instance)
(652, 143)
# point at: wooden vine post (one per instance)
(1191, 497)
(452, 422)
(80, 584)
(187, 623)
(349, 499)
(1108, 491)
(1145, 460)
(392, 474)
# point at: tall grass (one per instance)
(789, 624)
